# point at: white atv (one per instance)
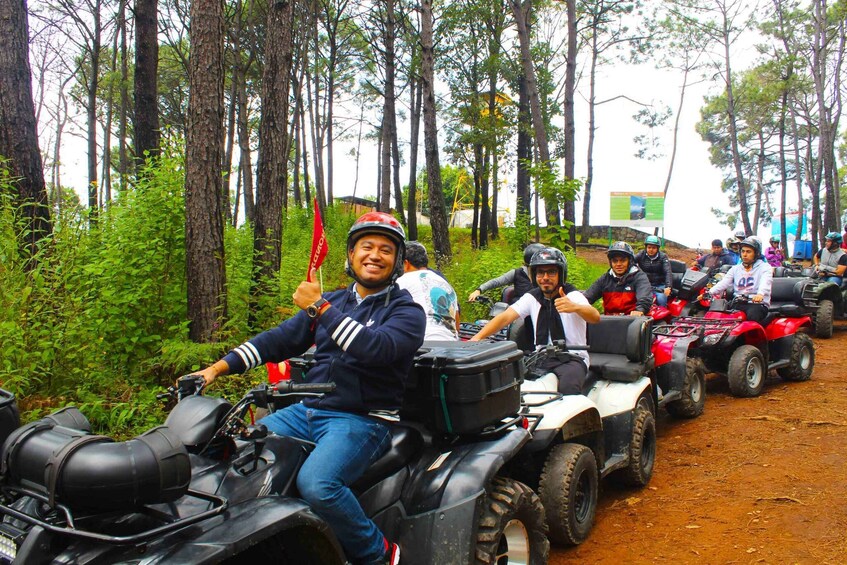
(579, 439)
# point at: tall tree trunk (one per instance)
(415, 91)
(123, 157)
(204, 245)
(18, 129)
(91, 115)
(521, 12)
(570, 121)
(146, 77)
(438, 213)
(592, 128)
(524, 150)
(273, 163)
(389, 122)
(245, 163)
(741, 184)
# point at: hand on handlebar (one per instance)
(474, 295)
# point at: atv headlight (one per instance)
(8, 546)
(711, 339)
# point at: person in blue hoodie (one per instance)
(366, 337)
(719, 257)
(753, 277)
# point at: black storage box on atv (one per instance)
(9, 417)
(462, 387)
(692, 284)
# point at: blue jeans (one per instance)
(659, 293)
(345, 446)
(836, 280)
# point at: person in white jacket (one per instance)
(753, 277)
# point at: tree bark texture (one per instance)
(205, 266)
(521, 12)
(18, 129)
(437, 209)
(146, 81)
(273, 162)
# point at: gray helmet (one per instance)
(531, 250)
(621, 248)
(754, 243)
(549, 256)
(741, 235)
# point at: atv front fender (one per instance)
(751, 332)
(671, 354)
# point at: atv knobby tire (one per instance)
(693, 391)
(823, 319)
(642, 447)
(511, 528)
(747, 371)
(569, 490)
(802, 360)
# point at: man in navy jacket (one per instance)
(366, 337)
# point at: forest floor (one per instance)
(752, 480)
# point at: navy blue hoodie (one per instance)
(366, 349)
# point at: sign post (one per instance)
(637, 209)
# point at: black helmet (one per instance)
(755, 244)
(549, 256)
(531, 250)
(621, 248)
(382, 224)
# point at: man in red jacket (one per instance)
(625, 289)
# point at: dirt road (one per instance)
(761, 480)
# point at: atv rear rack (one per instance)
(219, 505)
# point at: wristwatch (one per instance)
(312, 310)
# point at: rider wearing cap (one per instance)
(624, 288)
(554, 310)
(657, 266)
(519, 278)
(773, 254)
(831, 261)
(366, 337)
(753, 278)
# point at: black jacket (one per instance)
(658, 268)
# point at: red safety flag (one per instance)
(319, 246)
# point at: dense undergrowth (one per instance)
(101, 321)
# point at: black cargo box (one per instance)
(9, 417)
(461, 387)
(692, 284)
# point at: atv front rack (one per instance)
(219, 505)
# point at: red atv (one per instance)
(745, 351)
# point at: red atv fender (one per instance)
(752, 332)
(782, 327)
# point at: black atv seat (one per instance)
(619, 348)
(787, 299)
(786, 289)
(406, 441)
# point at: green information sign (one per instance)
(637, 209)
